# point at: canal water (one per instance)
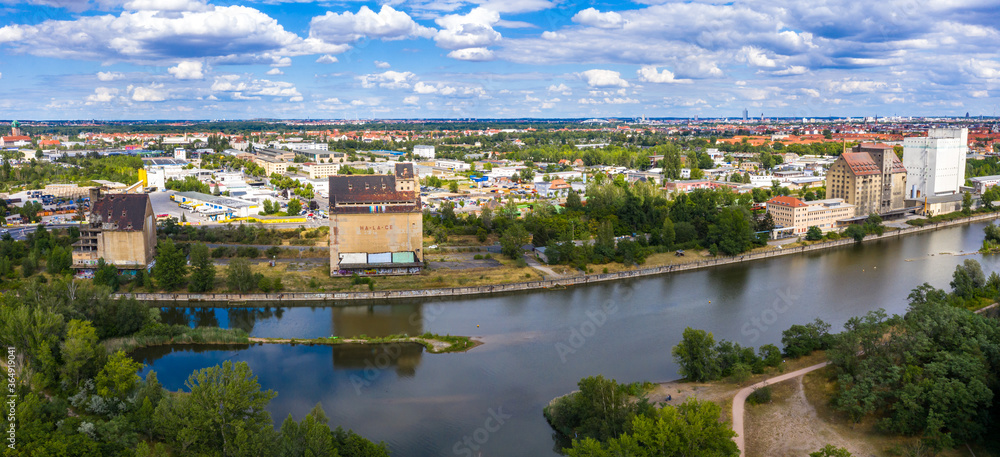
(489, 400)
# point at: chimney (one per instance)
(95, 193)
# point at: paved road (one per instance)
(740, 400)
(545, 270)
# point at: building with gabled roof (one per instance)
(376, 223)
(121, 229)
(871, 177)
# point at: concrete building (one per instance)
(423, 151)
(871, 178)
(376, 224)
(982, 183)
(795, 216)
(692, 184)
(121, 229)
(320, 170)
(216, 208)
(935, 164)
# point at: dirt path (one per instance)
(739, 401)
(545, 270)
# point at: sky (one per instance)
(299, 59)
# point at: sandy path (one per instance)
(739, 401)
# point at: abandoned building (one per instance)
(121, 229)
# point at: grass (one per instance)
(175, 334)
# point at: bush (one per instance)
(249, 252)
(223, 252)
(760, 396)
(801, 340)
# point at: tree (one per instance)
(802, 340)
(512, 240)
(573, 201)
(170, 269)
(453, 187)
(691, 429)
(830, 451)
(294, 207)
(106, 275)
(225, 413)
(601, 409)
(239, 277)
(119, 378)
(696, 355)
(968, 279)
(60, 260)
(203, 270)
(814, 234)
(855, 231)
(732, 232)
(967, 204)
(80, 352)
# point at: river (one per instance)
(539, 344)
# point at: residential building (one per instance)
(794, 216)
(935, 164)
(376, 223)
(423, 151)
(320, 170)
(121, 229)
(871, 178)
(271, 165)
(553, 189)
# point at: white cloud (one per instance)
(274, 71)
(187, 70)
(472, 54)
(388, 80)
(227, 34)
(854, 86)
(595, 18)
(326, 58)
(756, 57)
(791, 70)
(347, 27)
(282, 62)
(979, 94)
(411, 100)
(424, 88)
(153, 93)
(603, 78)
(649, 74)
(255, 88)
(516, 6)
(561, 88)
(471, 30)
(102, 95)
(381, 64)
(167, 5)
(109, 75)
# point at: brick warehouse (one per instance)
(376, 224)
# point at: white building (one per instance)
(423, 151)
(455, 165)
(935, 164)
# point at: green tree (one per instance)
(830, 451)
(802, 340)
(106, 275)
(733, 232)
(857, 232)
(225, 413)
(696, 355)
(601, 409)
(513, 239)
(119, 378)
(202, 269)
(239, 277)
(60, 260)
(691, 429)
(814, 234)
(170, 269)
(968, 279)
(453, 187)
(294, 207)
(80, 352)
(967, 204)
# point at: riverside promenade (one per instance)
(183, 299)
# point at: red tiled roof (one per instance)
(787, 201)
(862, 164)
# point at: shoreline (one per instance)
(331, 298)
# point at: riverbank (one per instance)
(310, 298)
(435, 344)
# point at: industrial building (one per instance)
(423, 151)
(121, 229)
(376, 224)
(870, 177)
(216, 208)
(935, 164)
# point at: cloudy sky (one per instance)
(193, 59)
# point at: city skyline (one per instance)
(190, 59)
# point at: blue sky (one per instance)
(197, 59)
